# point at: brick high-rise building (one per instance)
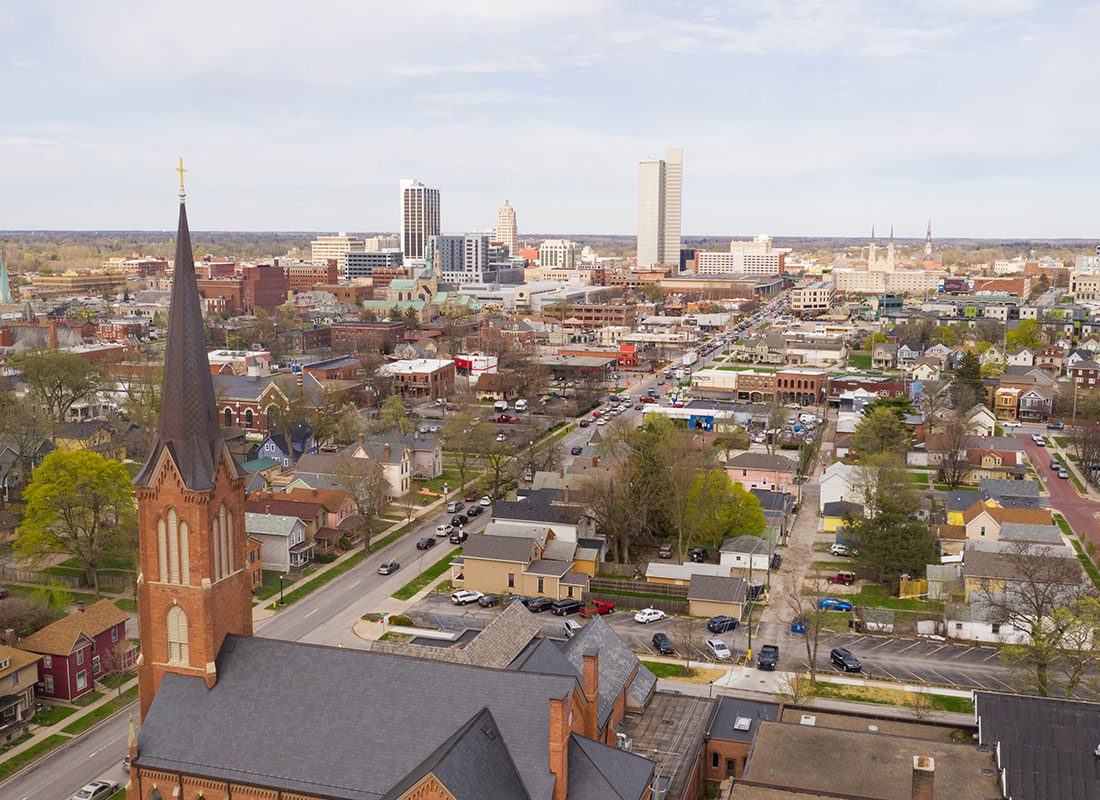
(263, 286)
(193, 587)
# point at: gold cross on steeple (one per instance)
(181, 170)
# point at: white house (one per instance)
(748, 553)
(836, 483)
(1021, 357)
(282, 539)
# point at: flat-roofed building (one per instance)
(326, 249)
(813, 298)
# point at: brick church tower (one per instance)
(192, 586)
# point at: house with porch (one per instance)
(282, 539)
(18, 676)
(541, 565)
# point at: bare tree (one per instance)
(1052, 614)
(613, 504)
(777, 424)
(364, 481)
(465, 435)
(806, 609)
(118, 660)
(953, 445)
(794, 689)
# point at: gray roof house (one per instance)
(282, 539)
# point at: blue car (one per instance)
(834, 604)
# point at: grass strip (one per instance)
(664, 670)
(1072, 476)
(877, 597)
(892, 697)
(32, 753)
(426, 577)
(1082, 556)
(108, 709)
(643, 595)
(313, 584)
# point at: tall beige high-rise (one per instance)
(506, 227)
(660, 194)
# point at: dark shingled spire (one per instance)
(188, 414)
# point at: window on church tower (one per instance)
(177, 636)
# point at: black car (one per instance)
(561, 608)
(459, 519)
(776, 560)
(427, 543)
(843, 658)
(722, 624)
(519, 598)
(458, 537)
(584, 423)
(698, 554)
(474, 511)
(488, 600)
(662, 644)
(576, 450)
(537, 605)
(389, 568)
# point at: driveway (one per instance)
(1079, 511)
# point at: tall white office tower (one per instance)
(419, 217)
(506, 227)
(660, 192)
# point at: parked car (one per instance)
(485, 500)
(444, 530)
(537, 605)
(1054, 464)
(1010, 424)
(648, 399)
(718, 650)
(1056, 426)
(722, 624)
(465, 596)
(768, 657)
(664, 551)
(458, 537)
(388, 568)
(838, 549)
(488, 600)
(475, 511)
(833, 604)
(427, 543)
(96, 790)
(518, 598)
(458, 520)
(598, 607)
(4, 594)
(1039, 440)
(647, 615)
(454, 507)
(584, 423)
(576, 450)
(1063, 474)
(502, 437)
(563, 608)
(843, 578)
(571, 628)
(776, 560)
(698, 554)
(597, 414)
(662, 644)
(601, 421)
(125, 763)
(843, 658)
(506, 419)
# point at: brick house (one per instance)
(762, 471)
(74, 648)
(254, 563)
(422, 378)
(731, 733)
(338, 505)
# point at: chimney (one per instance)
(565, 494)
(386, 452)
(80, 606)
(9, 637)
(313, 491)
(595, 461)
(53, 334)
(559, 746)
(360, 438)
(924, 776)
(561, 472)
(590, 683)
(267, 508)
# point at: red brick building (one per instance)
(303, 277)
(263, 286)
(883, 387)
(122, 329)
(77, 649)
(211, 267)
(349, 337)
(222, 295)
(803, 386)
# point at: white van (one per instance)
(572, 628)
(500, 405)
(521, 405)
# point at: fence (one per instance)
(671, 605)
(116, 583)
(642, 587)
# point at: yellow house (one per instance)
(495, 564)
(89, 435)
(983, 522)
(715, 595)
(833, 514)
(955, 516)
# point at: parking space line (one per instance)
(933, 652)
(942, 677)
(878, 668)
(910, 647)
(994, 654)
(883, 642)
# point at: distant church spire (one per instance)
(928, 240)
(188, 415)
(872, 234)
(5, 286)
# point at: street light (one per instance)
(281, 579)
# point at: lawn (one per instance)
(919, 478)
(106, 710)
(313, 584)
(449, 477)
(426, 577)
(678, 672)
(878, 597)
(832, 566)
(53, 715)
(943, 487)
(892, 697)
(270, 585)
(1061, 441)
(860, 360)
(17, 762)
(16, 742)
(1082, 556)
(88, 699)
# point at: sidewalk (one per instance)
(57, 728)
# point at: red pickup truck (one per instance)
(598, 607)
(844, 578)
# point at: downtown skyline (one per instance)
(796, 119)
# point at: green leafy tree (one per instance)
(880, 432)
(392, 415)
(890, 544)
(718, 508)
(1027, 333)
(946, 334)
(966, 385)
(57, 379)
(870, 342)
(79, 504)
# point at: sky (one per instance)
(796, 117)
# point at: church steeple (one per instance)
(928, 241)
(5, 287)
(192, 587)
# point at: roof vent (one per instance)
(872, 728)
(742, 724)
(808, 719)
(1096, 752)
(489, 731)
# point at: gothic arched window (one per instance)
(177, 636)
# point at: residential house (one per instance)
(834, 514)
(983, 521)
(1052, 358)
(425, 451)
(993, 358)
(312, 514)
(778, 508)
(749, 553)
(93, 434)
(1037, 404)
(769, 348)
(907, 353)
(925, 369)
(503, 564)
(275, 446)
(567, 520)
(1006, 402)
(18, 675)
(496, 386)
(836, 484)
(422, 378)
(761, 471)
(283, 540)
(1020, 357)
(75, 648)
(323, 470)
(1085, 373)
(981, 421)
(939, 350)
(884, 355)
(337, 504)
(9, 527)
(714, 595)
(1004, 464)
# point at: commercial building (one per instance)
(303, 277)
(506, 227)
(324, 249)
(72, 283)
(660, 190)
(422, 378)
(363, 265)
(914, 281)
(561, 253)
(419, 217)
(813, 298)
(263, 286)
(757, 257)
